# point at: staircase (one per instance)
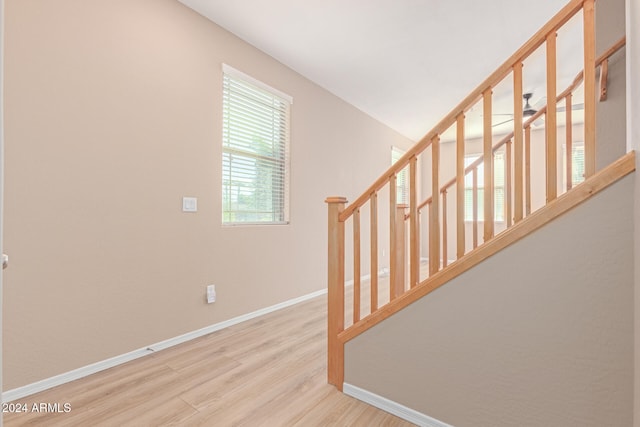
(421, 236)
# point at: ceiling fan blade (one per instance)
(540, 103)
(501, 123)
(574, 107)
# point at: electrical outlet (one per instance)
(211, 294)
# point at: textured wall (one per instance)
(633, 143)
(611, 124)
(113, 114)
(539, 334)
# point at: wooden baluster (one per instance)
(414, 224)
(393, 207)
(356, 266)
(488, 166)
(517, 140)
(374, 251)
(419, 257)
(427, 220)
(569, 142)
(475, 207)
(434, 217)
(589, 88)
(444, 229)
(335, 362)
(507, 177)
(551, 121)
(460, 189)
(401, 248)
(527, 168)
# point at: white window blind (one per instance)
(402, 178)
(255, 152)
(577, 166)
(498, 183)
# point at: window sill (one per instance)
(253, 224)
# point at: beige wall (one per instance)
(113, 114)
(611, 126)
(633, 143)
(539, 334)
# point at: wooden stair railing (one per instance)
(507, 141)
(517, 190)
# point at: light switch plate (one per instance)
(211, 294)
(189, 204)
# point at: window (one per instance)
(498, 184)
(255, 151)
(402, 182)
(577, 167)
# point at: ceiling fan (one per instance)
(528, 110)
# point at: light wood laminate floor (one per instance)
(269, 371)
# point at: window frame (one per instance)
(575, 145)
(402, 177)
(251, 159)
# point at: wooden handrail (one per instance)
(424, 203)
(605, 55)
(613, 49)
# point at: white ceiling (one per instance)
(406, 63)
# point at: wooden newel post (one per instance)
(335, 285)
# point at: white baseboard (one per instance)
(29, 389)
(392, 407)
(381, 273)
